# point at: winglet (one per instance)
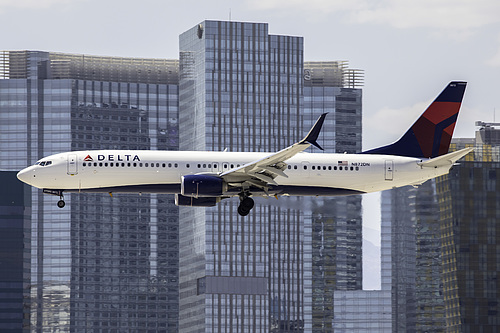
(313, 134)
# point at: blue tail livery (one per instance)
(430, 135)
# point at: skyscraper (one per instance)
(336, 222)
(411, 258)
(469, 200)
(243, 89)
(240, 89)
(439, 243)
(15, 215)
(102, 262)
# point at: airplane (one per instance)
(204, 178)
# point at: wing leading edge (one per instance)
(262, 172)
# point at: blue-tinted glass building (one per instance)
(469, 200)
(240, 89)
(243, 89)
(15, 216)
(101, 263)
(329, 87)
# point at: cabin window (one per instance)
(215, 165)
(313, 167)
(289, 167)
(329, 167)
(146, 164)
(199, 166)
(357, 168)
(84, 164)
(295, 167)
(204, 166)
(210, 166)
(175, 165)
(334, 168)
(187, 165)
(305, 167)
(163, 165)
(340, 168)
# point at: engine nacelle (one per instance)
(202, 186)
(181, 200)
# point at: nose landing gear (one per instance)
(61, 203)
(58, 193)
(246, 204)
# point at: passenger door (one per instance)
(72, 165)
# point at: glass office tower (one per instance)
(333, 88)
(15, 216)
(411, 258)
(241, 90)
(469, 198)
(102, 262)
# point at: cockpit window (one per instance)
(44, 163)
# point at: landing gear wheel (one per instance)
(61, 203)
(245, 206)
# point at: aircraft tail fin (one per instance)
(430, 135)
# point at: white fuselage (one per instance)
(124, 170)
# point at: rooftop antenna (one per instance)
(229, 14)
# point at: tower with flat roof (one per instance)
(102, 262)
(241, 90)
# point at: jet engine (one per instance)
(202, 186)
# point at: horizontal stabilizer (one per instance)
(448, 159)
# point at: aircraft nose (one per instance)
(25, 175)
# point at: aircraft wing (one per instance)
(262, 172)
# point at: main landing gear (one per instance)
(246, 204)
